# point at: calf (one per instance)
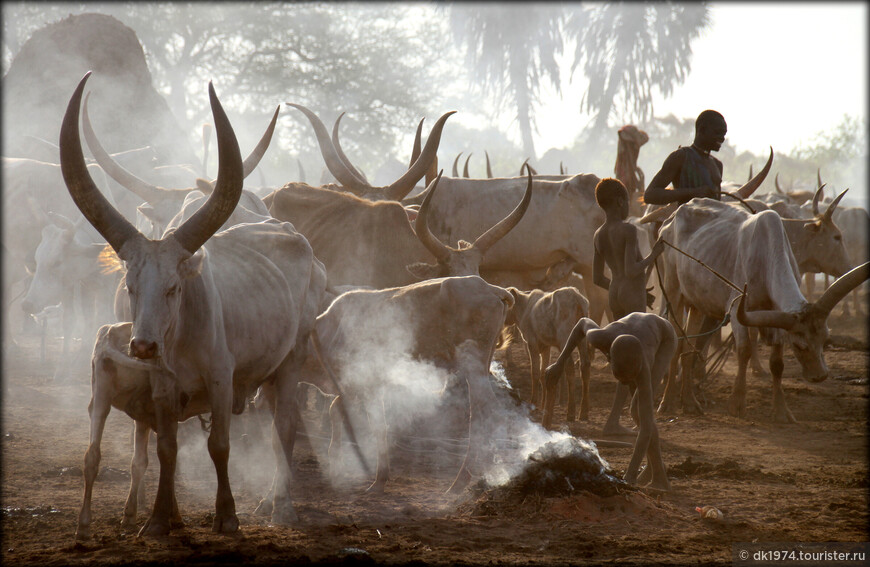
(545, 320)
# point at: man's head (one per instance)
(626, 358)
(611, 194)
(710, 130)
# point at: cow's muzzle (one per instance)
(141, 348)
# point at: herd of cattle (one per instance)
(223, 292)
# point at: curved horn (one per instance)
(819, 176)
(465, 169)
(829, 212)
(415, 151)
(818, 195)
(301, 171)
(456, 165)
(776, 183)
(660, 214)
(421, 225)
(330, 155)
(100, 213)
(485, 241)
(841, 287)
(253, 160)
(400, 188)
(754, 183)
(561, 169)
(767, 318)
(146, 191)
(206, 143)
(488, 167)
(228, 188)
(337, 145)
(748, 179)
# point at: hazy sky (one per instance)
(778, 72)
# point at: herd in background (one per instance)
(221, 292)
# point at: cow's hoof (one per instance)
(226, 524)
(377, 487)
(154, 529)
(83, 533)
(736, 407)
(128, 522)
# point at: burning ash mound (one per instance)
(558, 469)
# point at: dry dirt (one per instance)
(804, 482)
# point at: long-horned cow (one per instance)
(217, 315)
(750, 249)
(372, 243)
(162, 203)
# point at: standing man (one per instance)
(692, 170)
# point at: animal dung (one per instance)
(563, 467)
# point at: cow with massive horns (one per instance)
(372, 243)
(216, 321)
(161, 203)
(752, 249)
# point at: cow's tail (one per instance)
(315, 341)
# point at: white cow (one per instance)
(216, 322)
(366, 337)
(753, 250)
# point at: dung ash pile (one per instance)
(558, 469)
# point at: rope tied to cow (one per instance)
(739, 198)
(714, 272)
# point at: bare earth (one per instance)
(804, 482)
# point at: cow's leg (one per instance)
(694, 325)
(535, 366)
(480, 398)
(586, 354)
(264, 506)
(333, 453)
(737, 400)
(754, 360)
(286, 424)
(669, 396)
(563, 389)
(158, 522)
(781, 413)
(138, 465)
(221, 396)
(570, 378)
(378, 419)
(104, 373)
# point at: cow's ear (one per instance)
(192, 266)
(423, 271)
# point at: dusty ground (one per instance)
(774, 483)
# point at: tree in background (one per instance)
(509, 49)
(626, 50)
(372, 61)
